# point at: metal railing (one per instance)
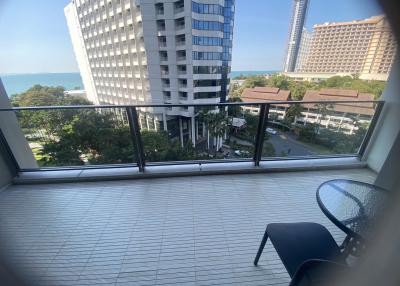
(265, 113)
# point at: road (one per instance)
(284, 143)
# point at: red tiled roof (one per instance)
(342, 95)
(265, 94)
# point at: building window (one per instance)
(207, 41)
(207, 9)
(180, 23)
(179, 6)
(208, 25)
(207, 69)
(206, 83)
(159, 8)
(180, 40)
(210, 56)
(163, 56)
(206, 95)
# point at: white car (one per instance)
(241, 153)
(271, 131)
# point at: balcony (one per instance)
(195, 230)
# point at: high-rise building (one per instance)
(304, 49)
(299, 14)
(152, 51)
(365, 47)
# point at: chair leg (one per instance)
(261, 248)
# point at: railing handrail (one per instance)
(188, 104)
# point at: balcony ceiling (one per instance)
(171, 231)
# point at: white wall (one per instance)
(388, 126)
(13, 133)
(80, 52)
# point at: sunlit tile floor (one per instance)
(173, 231)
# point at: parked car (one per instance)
(271, 131)
(241, 153)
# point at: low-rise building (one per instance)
(76, 93)
(345, 117)
(266, 94)
(340, 116)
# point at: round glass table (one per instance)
(352, 206)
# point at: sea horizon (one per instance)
(15, 83)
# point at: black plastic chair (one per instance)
(307, 250)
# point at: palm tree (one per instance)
(217, 122)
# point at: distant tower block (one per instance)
(297, 22)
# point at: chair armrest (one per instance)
(317, 271)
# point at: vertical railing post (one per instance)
(371, 129)
(262, 125)
(136, 138)
(8, 155)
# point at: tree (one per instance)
(279, 81)
(155, 145)
(255, 81)
(292, 113)
(234, 110)
(217, 122)
(158, 147)
(308, 133)
(45, 122)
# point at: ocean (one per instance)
(21, 82)
(249, 73)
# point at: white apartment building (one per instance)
(155, 52)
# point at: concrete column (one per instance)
(208, 140)
(165, 121)
(193, 119)
(197, 130)
(181, 131)
(147, 122)
(140, 121)
(204, 130)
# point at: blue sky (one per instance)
(34, 34)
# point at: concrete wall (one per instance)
(385, 143)
(13, 133)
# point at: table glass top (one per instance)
(354, 205)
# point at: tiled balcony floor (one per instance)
(174, 231)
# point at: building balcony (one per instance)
(207, 89)
(179, 27)
(198, 230)
(201, 230)
(179, 9)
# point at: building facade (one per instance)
(299, 15)
(304, 49)
(154, 52)
(365, 47)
